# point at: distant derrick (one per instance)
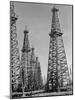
(28, 66)
(33, 59)
(32, 63)
(38, 83)
(25, 61)
(15, 57)
(57, 75)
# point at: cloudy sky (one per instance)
(38, 18)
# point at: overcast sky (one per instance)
(38, 18)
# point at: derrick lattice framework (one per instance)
(30, 67)
(25, 62)
(14, 56)
(32, 64)
(58, 74)
(38, 82)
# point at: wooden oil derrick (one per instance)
(31, 71)
(29, 67)
(40, 81)
(58, 74)
(14, 52)
(37, 76)
(33, 59)
(32, 65)
(25, 62)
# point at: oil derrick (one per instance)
(33, 60)
(14, 51)
(40, 81)
(25, 62)
(32, 65)
(58, 74)
(37, 76)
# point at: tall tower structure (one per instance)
(58, 74)
(14, 51)
(32, 65)
(37, 76)
(25, 61)
(33, 60)
(40, 81)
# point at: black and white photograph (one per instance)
(41, 49)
